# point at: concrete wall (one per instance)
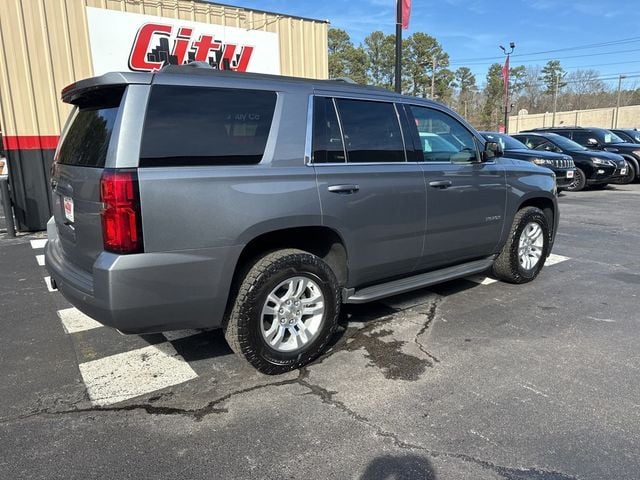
(628, 117)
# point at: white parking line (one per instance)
(482, 279)
(40, 243)
(40, 260)
(73, 320)
(47, 280)
(130, 374)
(554, 259)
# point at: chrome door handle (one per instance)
(344, 189)
(441, 184)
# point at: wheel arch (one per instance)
(322, 241)
(634, 162)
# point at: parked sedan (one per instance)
(561, 164)
(595, 168)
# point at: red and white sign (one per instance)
(145, 43)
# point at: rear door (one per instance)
(466, 197)
(75, 181)
(368, 191)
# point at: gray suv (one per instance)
(197, 198)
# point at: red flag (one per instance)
(505, 77)
(406, 13)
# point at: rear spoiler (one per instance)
(71, 93)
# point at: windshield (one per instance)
(565, 143)
(505, 141)
(608, 137)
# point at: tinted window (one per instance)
(87, 140)
(443, 138)
(506, 142)
(371, 131)
(206, 126)
(327, 139)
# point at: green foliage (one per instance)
(380, 51)
(345, 60)
(550, 73)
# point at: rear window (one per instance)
(86, 141)
(188, 126)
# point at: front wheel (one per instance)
(630, 176)
(579, 181)
(527, 247)
(285, 311)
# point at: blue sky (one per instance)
(471, 30)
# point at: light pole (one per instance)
(618, 101)
(555, 97)
(512, 46)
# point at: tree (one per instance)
(493, 96)
(380, 50)
(550, 73)
(583, 83)
(517, 77)
(531, 88)
(345, 60)
(420, 53)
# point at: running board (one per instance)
(415, 282)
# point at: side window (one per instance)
(371, 131)
(532, 142)
(327, 139)
(582, 137)
(443, 138)
(205, 126)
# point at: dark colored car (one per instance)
(593, 167)
(606, 140)
(631, 135)
(561, 164)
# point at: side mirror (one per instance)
(492, 150)
(592, 142)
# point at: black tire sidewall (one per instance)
(305, 265)
(582, 184)
(537, 216)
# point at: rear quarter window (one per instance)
(190, 126)
(86, 141)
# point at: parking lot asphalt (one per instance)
(473, 379)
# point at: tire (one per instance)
(278, 275)
(508, 266)
(630, 176)
(579, 181)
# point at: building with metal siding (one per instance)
(46, 45)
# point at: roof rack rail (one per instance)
(345, 80)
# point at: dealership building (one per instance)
(46, 45)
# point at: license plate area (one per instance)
(68, 209)
(569, 173)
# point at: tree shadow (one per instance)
(393, 467)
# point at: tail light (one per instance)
(121, 219)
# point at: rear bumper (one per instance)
(148, 292)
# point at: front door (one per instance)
(466, 197)
(369, 193)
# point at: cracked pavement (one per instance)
(459, 381)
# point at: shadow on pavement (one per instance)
(407, 467)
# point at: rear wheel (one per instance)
(579, 181)
(285, 311)
(527, 247)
